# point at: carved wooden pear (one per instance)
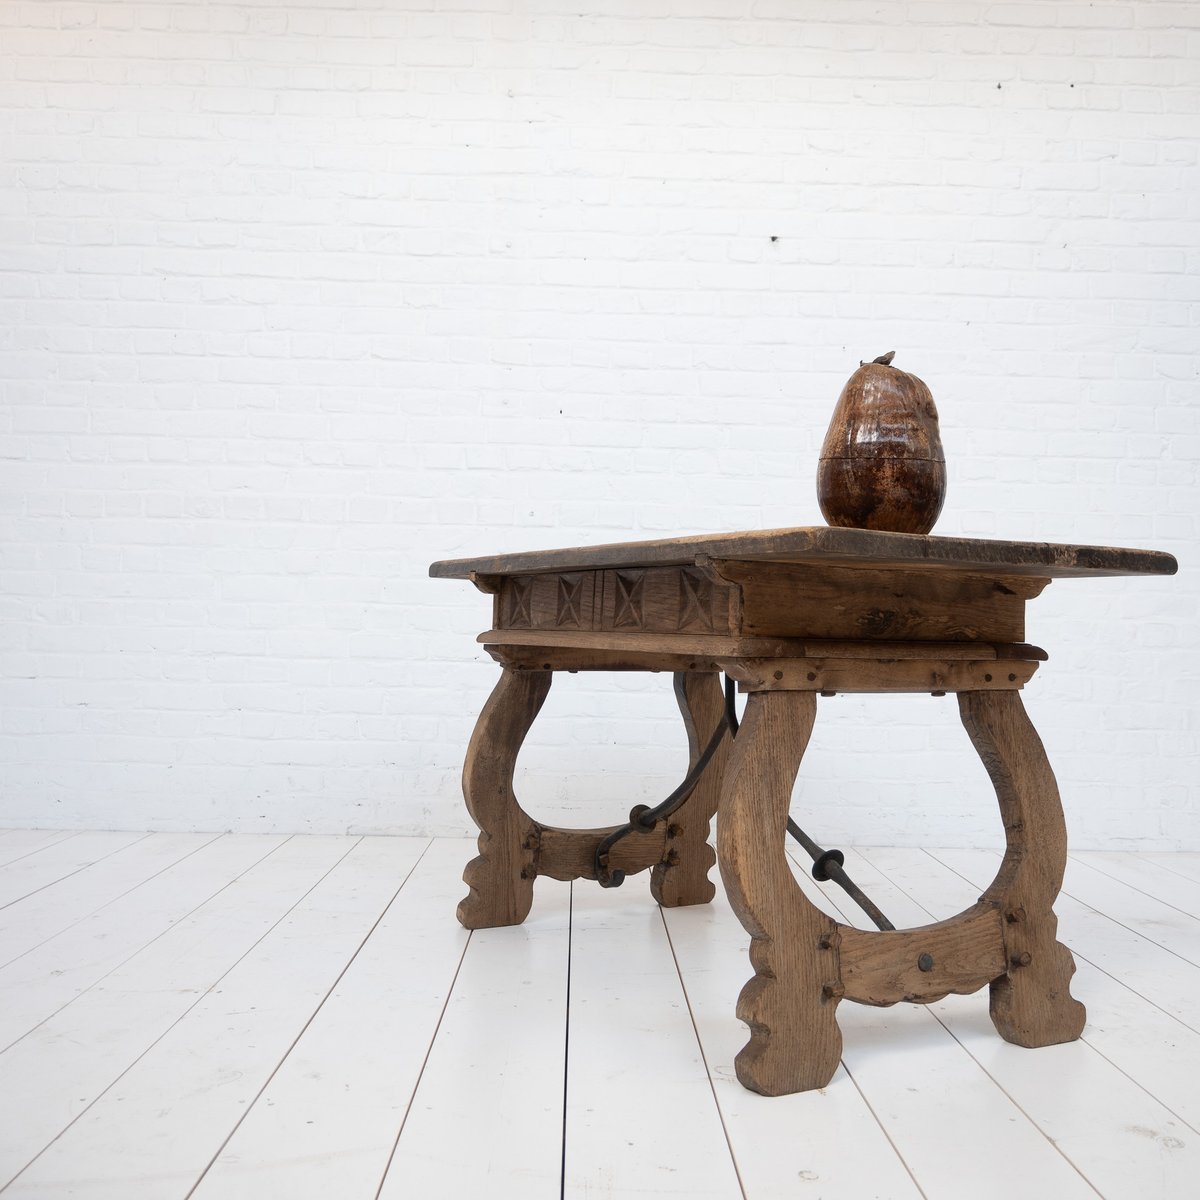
(882, 465)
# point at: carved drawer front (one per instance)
(635, 600)
(565, 601)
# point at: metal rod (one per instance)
(644, 817)
(827, 864)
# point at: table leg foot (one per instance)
(1031, 1004)
(501, 877)
(791, 1002)
(683, 878)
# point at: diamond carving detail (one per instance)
(520, 606)
(695, 601)
(628, 608)
(570, 595)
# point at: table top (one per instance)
(830, 545)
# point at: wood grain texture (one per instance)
(900, 494)
(882, 464)
(771, 600)
(795, 1043)
(543, 650)
(654, 599)
(817, 600)
(552, 652)
(683, 878)
(1031, 1004)
(1114, 1138)
(863, 675)
(501, 877)
(827, 544)
(571, 853)
(514, 848)
(961, 955)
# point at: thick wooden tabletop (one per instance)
(826, 544)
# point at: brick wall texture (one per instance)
(299, 297)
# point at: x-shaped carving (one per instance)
(520, 597)
(695, 600)
(570, 592)
(629, 601)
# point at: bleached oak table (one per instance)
(791, 614)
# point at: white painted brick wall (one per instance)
(296, 299)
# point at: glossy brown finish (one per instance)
(882, 465)
(903, 495)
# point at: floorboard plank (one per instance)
(52, 1076)
(641, 1119)
(486, 1119)
(1180, 862)
(1157, 922)
(1168, 887)
(51, 973)
(52, 910)
(1114, 1133)
(17, 843)
(326, 1123)
(178, 1005)
(48, 865)
(152, 1132)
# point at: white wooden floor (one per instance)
(248, 1016)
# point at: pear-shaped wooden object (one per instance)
(882, 465)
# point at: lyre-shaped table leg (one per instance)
(791, 1003)
(501, 877)
(1032, 1004)
(683, 878)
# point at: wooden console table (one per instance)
(791, 614)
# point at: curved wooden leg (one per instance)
(1032, 1004)
(791, 1003)
(683, 879)
(501, 878)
